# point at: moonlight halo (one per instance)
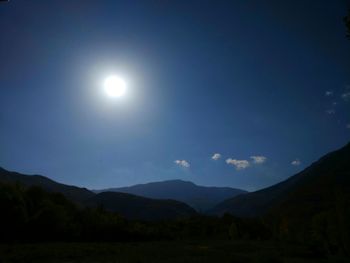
(115, 86)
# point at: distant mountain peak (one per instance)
(199, 197)
(128, 205)
(172, 181)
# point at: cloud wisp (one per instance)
(346, 96)
(182, 163)
(216, 156)
(330, 111)
(239, 164)
(296, 162)
(258, 159)
(328, 93)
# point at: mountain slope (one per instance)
(137, 207)
(199, 197)
(314, 183)
(127, 205)
(73, 193)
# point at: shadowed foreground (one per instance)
(180, 251)
(309, 224)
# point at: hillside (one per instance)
(316, 184)
(73, 193)
(129, 206)
(201, 198)
(141, 208)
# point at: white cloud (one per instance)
(296, 162)
(258, 159)
(348, 126)
(346, 96)
(329, 93)
(216, 156)
(239, 164)
(182, 163)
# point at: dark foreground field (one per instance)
(184, 251)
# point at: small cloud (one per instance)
(296, 162)
(258, 159)
(216, 156)
(335, 103)
(328, 93)
(330, 111)
(346, 96)
(348, 126)
(182, 163)
(239, 164)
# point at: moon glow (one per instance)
(114, 86)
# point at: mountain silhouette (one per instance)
(201, 198)
(316, 187)
(73, 193)
(137, 207)
(127, 205)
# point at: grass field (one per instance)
(149, 252)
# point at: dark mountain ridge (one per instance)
(137, 207)
(73, 193)
(201, 198)
(333, 168)
(127, 205)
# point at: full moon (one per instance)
(114, 86)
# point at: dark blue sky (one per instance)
(239, 78)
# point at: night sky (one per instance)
(263, 85)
